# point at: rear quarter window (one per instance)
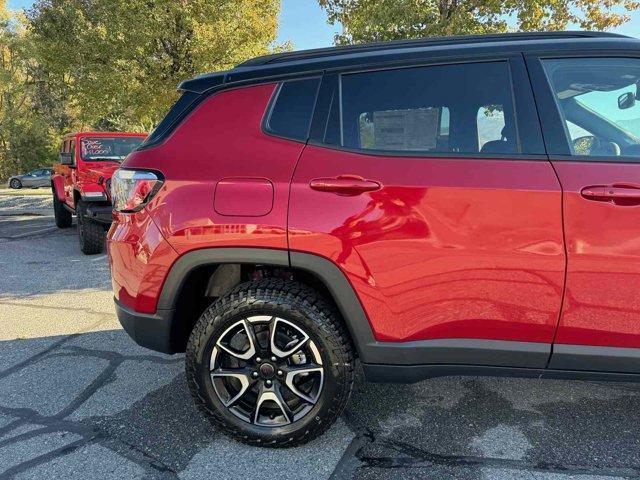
(292, 108)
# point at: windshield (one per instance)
(95, 149)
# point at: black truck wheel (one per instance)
(61, 214)
(90, 234)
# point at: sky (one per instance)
(304, 23)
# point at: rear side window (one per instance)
(175, 114)
(292, 109)
(461, 108)
(599, 100)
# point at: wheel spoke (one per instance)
(241, 374)
(269, 394)
(273, 330)
(292, 373)
(251, 334)
(247, 354)
(288, 414)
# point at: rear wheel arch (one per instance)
(57, 185)
(193, 278)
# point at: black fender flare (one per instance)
(325, 270)
(460, 351)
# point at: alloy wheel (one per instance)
(266, 371)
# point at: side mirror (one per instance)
(66, 159)
(626, 100)
(584, 145)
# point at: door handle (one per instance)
(344, 185)
(613, 193)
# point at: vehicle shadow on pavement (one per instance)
(98, 404)
(474, 427)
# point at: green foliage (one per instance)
(122, 59)
(112, 64)
(25, 136)
(377, 20)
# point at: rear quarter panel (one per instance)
(221, 139)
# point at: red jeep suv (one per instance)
(446, 206)
(80, 182)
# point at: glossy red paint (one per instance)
(601, 303)
(139, 258)
(447, 248)
(84, 176)
(184, 209)
(245, 197)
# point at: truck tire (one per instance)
(270, 364)
(90, 234)
(61, 214)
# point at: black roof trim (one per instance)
(285, 65)
(203, 82)
(426, 42)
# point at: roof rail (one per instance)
(427, 42)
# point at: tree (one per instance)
(121, 60)
(25, 137)
(376, 20)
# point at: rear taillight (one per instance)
(131, 190)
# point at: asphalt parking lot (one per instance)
(78, 399)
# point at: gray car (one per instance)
(34, 179)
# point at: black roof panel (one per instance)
(426, 42)
(314, 61)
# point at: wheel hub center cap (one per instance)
(267, 370)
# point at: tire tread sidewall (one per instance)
(306, 308)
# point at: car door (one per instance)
(35, 178)
(38, 176)
(44, 178)
(592, 130)
(440, 208)
(70, 171)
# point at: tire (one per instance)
(90, 234)
(15, 184)
(290, 310)
(61, 214)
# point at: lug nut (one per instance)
(258, 359)
(273, 359)
(279, 372)
(268, 383)
(254, 374)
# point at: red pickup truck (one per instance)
(81, 180)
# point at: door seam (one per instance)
(566, 264)
(564, 233)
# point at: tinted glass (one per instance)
(175, 113)
(462, 108)
(291, 113)
(599, 100)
